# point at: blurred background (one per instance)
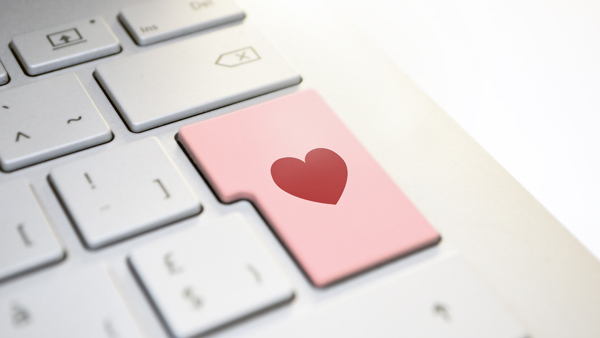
(522, 77)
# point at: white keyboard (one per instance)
(126, 209)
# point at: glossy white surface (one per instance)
(153, 21)
(64, 45)
(47, 119)
(521, 77)
(124, 192)
(26, 239)
(209, 275)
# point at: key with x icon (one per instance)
(238, 57)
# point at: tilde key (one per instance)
(328, 200)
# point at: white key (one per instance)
(154, 21)
(176, 81)
(47, 119)
(26, 240)
(85, 304)
(3, 75)
(209, 275)
(124, 192)
(64, 45)
(445, 300)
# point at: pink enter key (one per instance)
(327, 199)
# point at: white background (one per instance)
(520, 76)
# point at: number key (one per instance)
(121, 193)
(209, 275)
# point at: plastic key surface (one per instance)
(190, 77)
(209, 275)
(3, 75)
(26, 239)
(333, 206)
(65, 45)
(46, 119)
(124, 192)
(155, 21)
(83, 304)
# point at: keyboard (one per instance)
(253, 169)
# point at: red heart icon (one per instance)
(320, 178)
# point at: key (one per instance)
(155, 21)
(84, 304)
(207, 72)
(443, 300)
(332, 205)
(209, 275)
(46, 119)
(26, 239)
(3, 75)
(123, 192)
(64, 45)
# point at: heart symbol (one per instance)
(320, 178)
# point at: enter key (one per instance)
(330, 202)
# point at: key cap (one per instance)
(84, 304)
(154, 21)
(46, 119)
(64, 45)
(3, 75)
(443, 300)
(170, 83)
(26, 239)
(209, 275)
(123, 192)
(332, 205)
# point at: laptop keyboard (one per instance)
(335, 210)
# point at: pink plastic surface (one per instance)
(336, 209)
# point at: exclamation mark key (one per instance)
(130, 190)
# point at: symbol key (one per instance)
(334, 207)
(209, 275)
(33, 121)
(26, 239)
(124, 192)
